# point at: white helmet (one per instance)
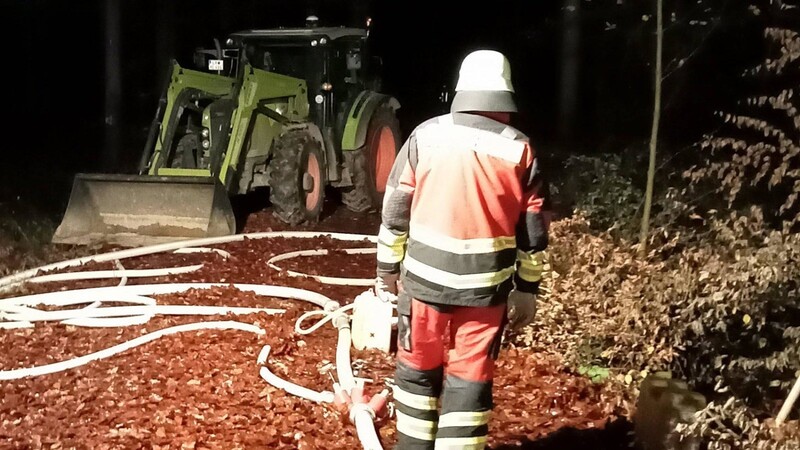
(484, 84)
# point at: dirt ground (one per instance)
(202, 390)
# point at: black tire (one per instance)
(294, 198)
(185, 156)
(369, 182)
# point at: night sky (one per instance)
(55, 82)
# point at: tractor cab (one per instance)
(329, 59)
(217, 61)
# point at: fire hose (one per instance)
(18, 312)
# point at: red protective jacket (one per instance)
(462, 213)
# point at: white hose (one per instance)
(124, 280)
(35, 315)
(121, 273)
(15, 325)
(339, 281)
(365, 428)
(15, 374)
(189, 250)
(25, 314)
(14, 280)
(362, 417)
(110, 293)
(288, 386)
(328, 316)
(17, 309)
(108, 322)
(344, 367)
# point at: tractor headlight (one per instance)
(206, 144)
(204, 133)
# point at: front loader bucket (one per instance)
(133, 210)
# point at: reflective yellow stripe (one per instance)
(460, 246)
(417, 428)
(391, 247)
(391, 239)
(389, 255)
(529, 275)
(534, 259)
(464, 419)
(462, 443)
(441, 137)
(469, 281)
(530, 265)
(416, 401)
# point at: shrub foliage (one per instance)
(717, 298)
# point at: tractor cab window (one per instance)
(221, 62)
(291, 60)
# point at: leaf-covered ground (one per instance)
(203, 390)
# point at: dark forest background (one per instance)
(582, 70)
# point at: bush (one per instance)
(602, 190)
(717, 298)
(756, 156)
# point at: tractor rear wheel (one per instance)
(373, 162)
(297, 178)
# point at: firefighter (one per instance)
(461, 244)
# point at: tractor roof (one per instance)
(331, 33)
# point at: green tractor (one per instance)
(292, 109)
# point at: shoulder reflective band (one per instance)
(438, 136)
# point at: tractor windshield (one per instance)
(291, 60)
(208, 60)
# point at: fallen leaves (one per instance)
(202, 390)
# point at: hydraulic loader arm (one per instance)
(183, 86)
(281, 99)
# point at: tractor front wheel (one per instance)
(372, 163)
(297, 178)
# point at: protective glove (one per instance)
(521, 309)
(386, 287)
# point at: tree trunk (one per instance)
(113, 86)
(165, 34)
(651, 170)
(570, 62)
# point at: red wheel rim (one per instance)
(312, 195)
(384, 158)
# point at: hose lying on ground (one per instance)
(79, 361)
(20, 312)
(340, 281)
(14, 280)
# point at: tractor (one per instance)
(291, 109)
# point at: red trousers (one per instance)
(454, 369)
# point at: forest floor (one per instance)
(202, 389)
